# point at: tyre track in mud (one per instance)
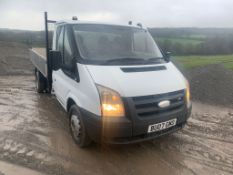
(199, 152)
(30, 156)
(203, 141)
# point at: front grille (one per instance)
(147, 106)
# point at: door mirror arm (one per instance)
(167, 56)
(76, 74)
(75, 70)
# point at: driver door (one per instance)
(63, 77)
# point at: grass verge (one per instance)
(189, 62)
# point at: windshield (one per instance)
(101, 43)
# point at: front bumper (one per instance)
(124, 131)
(144, 137)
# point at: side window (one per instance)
(68, 56)
(60, 40)
(58, 32)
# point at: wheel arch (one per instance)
(71, 100)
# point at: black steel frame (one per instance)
(49, 70)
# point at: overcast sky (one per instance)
(28, 14)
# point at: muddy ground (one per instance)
(35, 139)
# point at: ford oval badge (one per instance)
(164, 104)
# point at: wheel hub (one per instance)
(75, 126)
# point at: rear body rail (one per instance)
(39, 61)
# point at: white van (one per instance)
(114, 81)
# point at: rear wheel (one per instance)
(78, 129)
(40, 82)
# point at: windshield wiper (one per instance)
(124, 60)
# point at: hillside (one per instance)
(194, 41)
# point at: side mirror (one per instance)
(167, 56)
(55, 59)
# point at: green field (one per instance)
(189, 62)
(181, 40)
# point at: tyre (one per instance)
(40, 82)
(77, 128)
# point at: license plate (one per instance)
(161, 126)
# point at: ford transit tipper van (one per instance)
(115, 83)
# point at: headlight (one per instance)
(187, 93)
(111, 102)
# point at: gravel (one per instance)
(212, 84)
(14, 59)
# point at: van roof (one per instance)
(92, 22)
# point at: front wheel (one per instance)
(78, 129)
